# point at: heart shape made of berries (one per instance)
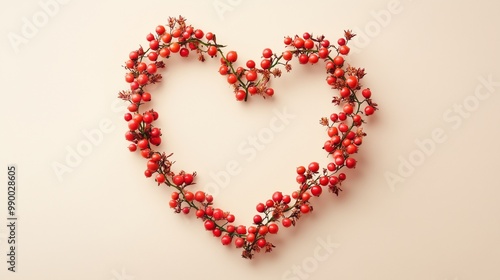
(345, 134)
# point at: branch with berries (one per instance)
(344, 129)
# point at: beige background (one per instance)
(425, 61)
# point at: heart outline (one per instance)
(343, 142)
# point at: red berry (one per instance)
(261, 242)
(231, 78)
(304, 208)
(232, 56)
(250, 64)
(273, 228)
(260, 207)
(277, 197)
(265, 63)
(178, 180)
(132, 147)
(226, 240)
(184, 52)
(314, 167)
(251, 76)
(344, 50)
(366, 93)
(308, 44)
(240, 95)
(286, 222)
(188, 179)
(160, 178)
(316, 190)
(350, 162)
(267, 53)
(199, 196)
(209, 225)
(257, 219)
(239, 242)
(270, 91)
(301, 170)
(369, 110)
(352, 81)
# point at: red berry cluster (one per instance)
(343, 128)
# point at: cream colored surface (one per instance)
(104, 220)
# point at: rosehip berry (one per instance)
(304, 208)
(341, 41)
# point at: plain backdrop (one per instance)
(422, 203)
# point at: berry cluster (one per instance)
(345, 134)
